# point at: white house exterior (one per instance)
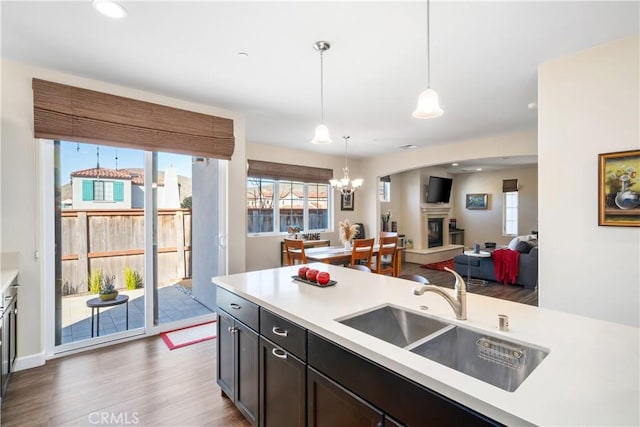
(102, 188)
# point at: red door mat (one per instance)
(439, 265)
(190, 335)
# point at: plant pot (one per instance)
(109, 297)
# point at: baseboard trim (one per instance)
(28, 362)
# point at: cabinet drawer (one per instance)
(284, 333)
(243, 310)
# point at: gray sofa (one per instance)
(483, 268)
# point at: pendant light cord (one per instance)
(322, 87)
(428, 50)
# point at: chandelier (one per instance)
(322, 131)
(428, 102)
(345, 185)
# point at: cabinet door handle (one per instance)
(280, 353)
(235, 306)
(232, 329)
(279, 331)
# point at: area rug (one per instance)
(191, 335)
(439, 265)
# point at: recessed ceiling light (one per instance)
(478, 169)
(243, 54)
(407, 147)
(454, 164)
(109, 8)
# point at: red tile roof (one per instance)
(136, 177)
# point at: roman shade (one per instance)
(283, 171)
(73, 114)
(509, 185)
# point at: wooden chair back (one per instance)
(362, 251)
(360, 267)
(415, 278)
(386, 258)
(388, 234)
(295, 251)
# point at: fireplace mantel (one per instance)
(435, 210)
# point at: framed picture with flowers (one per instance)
(619, 189)
(346, 202)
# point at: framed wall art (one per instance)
(346, 202)
(477, 201)
(619, 189)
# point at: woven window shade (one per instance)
(385, 178)
(283, 171)
(509, 185)
(80, 115)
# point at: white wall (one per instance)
(482, 226)
(588, 104)
(21, 208)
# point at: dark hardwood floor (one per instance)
(139, 382)
(144, 383)
(515, 293)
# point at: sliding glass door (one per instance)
(146, 223)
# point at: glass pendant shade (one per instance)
(428, 105)
(322, 135)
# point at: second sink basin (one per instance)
(394, 325)
(504, 364)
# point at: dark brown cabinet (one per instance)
(238, 353)
(282, 387)
(331, 405)
(8, 335)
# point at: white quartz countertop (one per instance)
(7, 276)
(590, 377)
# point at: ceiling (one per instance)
(484, 58)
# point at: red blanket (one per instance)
(505, 265)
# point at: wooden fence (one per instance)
(113, 240)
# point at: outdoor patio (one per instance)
(174, 303)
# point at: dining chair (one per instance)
(362, 251)
(295, 251)
(414, 278)
(386, 258)
(388, 234)
(360, 267)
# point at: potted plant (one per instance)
(107, 288)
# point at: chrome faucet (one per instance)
(459, 299)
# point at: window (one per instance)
(384, 191)
(299, 205)
(103, 190)
(510, 213)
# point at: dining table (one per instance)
(340, 255)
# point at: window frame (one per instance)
(277, 183)
(508, 213)
(384, 191)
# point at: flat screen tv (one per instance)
(439, 189)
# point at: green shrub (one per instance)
(132, 279)
(95, 281)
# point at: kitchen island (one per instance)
(589, 377)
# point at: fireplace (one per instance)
(435, 235)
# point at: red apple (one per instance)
(323, 277)
(312, 273)
(302, 272)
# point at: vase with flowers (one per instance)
(385, 220)
(347, 232)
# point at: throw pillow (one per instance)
(523, 247)
(513, 243)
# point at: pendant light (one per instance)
(345, 185)
(428, 102)
(322, 132)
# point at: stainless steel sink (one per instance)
(504, 364)
(494, 360)
(394, 325)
